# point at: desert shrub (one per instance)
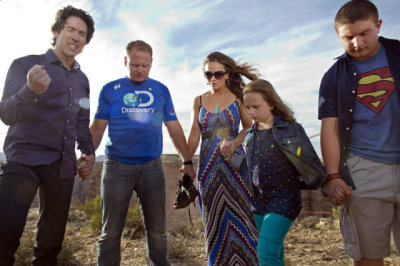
(309, 222)
(24, 254)
(134, 215)
(335, 212)
(198, 224)
(74, 215)
(92, 206)
(92, 209)
(96, 223)
(177, 249)
(185, 230)
(66, 256)
(134, 227)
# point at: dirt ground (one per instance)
(311, 241)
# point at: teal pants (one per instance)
(272, 230)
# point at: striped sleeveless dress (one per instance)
(230, 232)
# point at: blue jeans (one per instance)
(118, 182)
(18, 186)
(272, 229)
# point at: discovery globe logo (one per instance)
(131, 99)
(134, 100)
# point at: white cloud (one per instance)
(288, 58)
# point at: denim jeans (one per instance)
(117, 185)
(18, 186)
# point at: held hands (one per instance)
(188, 169)
(227, 148)
(85, 165)
(338, 191)
(38, 80)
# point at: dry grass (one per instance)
(311, 241)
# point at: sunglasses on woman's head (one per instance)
(216, 74)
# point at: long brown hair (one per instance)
(269, 95)
(235, 82)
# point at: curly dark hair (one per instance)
(269, 95)
(63, 14)
(235, 71)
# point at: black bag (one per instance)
(186, 193)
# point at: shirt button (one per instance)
(344, 164)
(355, 74)
(353, 92)
(36, 100)
(65, 137)
(344, 148)
(67, 121)
(350, 110)
(347, 128)
(70, 89)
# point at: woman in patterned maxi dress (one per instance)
(230, 232)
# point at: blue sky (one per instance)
(291, 42)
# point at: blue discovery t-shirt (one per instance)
(135, 113)
(375, 133)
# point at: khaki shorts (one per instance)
(372, 211)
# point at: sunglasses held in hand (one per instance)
(216, 74)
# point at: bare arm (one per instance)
(246, 124)
(194, 135)
(97, 129)
(228, 147)
(330, 144)
(337, 189)
(178, 138)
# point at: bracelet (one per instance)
(332, 176)
(190, 162)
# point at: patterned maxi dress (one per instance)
(230, 232)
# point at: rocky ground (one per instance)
(311, 241)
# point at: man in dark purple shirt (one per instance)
(46, 104)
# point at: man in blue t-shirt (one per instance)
(134, 108)
(359, 105)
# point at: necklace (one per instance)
(216, 110)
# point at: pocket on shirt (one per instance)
(290, 143)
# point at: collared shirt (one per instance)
(337, 95)
(44, 128)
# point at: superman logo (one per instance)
(375, 88)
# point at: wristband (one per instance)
(332, 176)
(190, 162)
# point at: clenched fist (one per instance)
(37, 79)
